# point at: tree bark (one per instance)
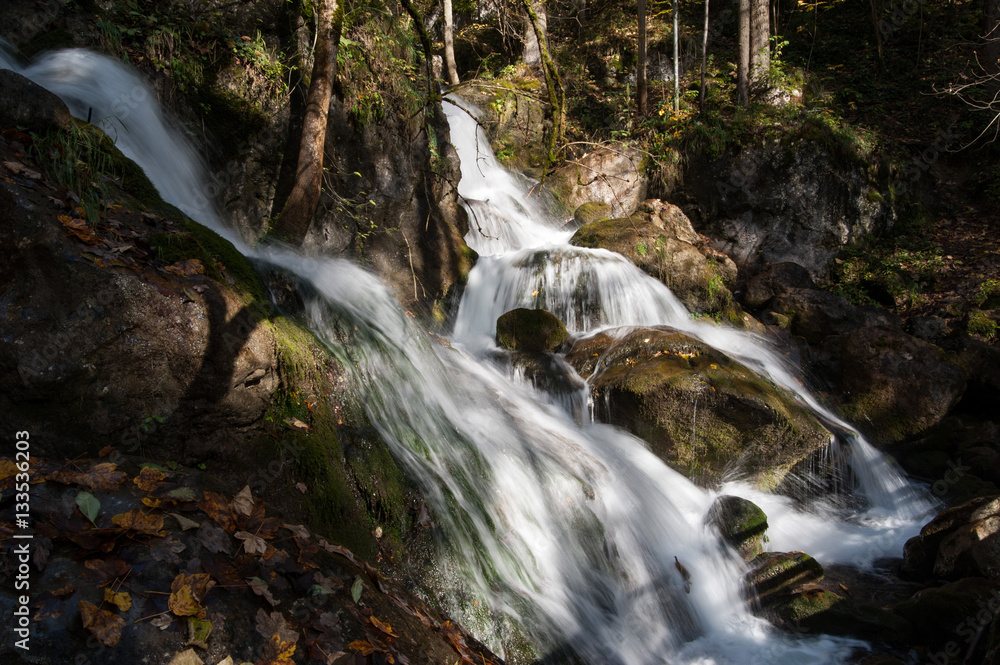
(704, 62)
(640, 67)
(449, 44)
(677, 55)
(553, 83)
(532, 42)
(760, 35)
(297, 214)
(743, 62)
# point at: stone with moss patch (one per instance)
(741, 523)
(530, 330)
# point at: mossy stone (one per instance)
(741, 523)
(531, 330)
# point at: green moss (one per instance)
(531, 330)
(981, 324)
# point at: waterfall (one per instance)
(562, 531)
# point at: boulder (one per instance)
(815, 314)
(963, 541)
(530, 330)
(741, 523)
(615, 175)
(660, 240)
(773, 575)
(894, 385)
(25, 104)
(700, 411)
(590, 212)
(951, 614)
(775, 280)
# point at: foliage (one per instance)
(981, 324)
(889, 274)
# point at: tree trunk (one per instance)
(449, 44)
(640, 68)
(704, 62)
(532, 42)
(300, 206)
(743, 62)
(760, 36)
(677, 55)
(990, 54)
(553, 82)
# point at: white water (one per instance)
(570, 530)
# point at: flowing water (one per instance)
(557, 528)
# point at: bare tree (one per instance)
(743, 61)
(640, 70)
(300, 206)
(760, 41)
(449, 43)
(704, 61)
(553, 82)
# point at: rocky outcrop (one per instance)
(660, 240)
(701, 412)
(894, 385)
(963, 541)
(30, 106)
(614, 175)
(775, 203)
(531, 331)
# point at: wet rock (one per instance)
(773, 575)
(774, 280)
(931, 329)
(28, 105)
(615, 175)
(963, 541)
(895, 386)
(530, 330)
(953, 614)
(700, 411)
(741, 523)
(590, 212)
(660, 240)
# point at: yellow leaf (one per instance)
(120, 600)
(104, 625)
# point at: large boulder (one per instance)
(782, 201)
(741, 523)
(700, 411)
(775, 280)
(615, 175)
(814, 314)
(660, 240)
(953, 614)
(530, 330)
(28, 105)
(963, 541)
(894, 385)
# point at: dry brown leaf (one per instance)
(188, 657)
(187, 592)
(7, 469)
(274, 624)
(108, 570)
(79, 228)
(184, 522)
(104, 625)
(384, 627)
(299, 530)
(149, 479)
(121, 600)
(259, 587)
(136, 520)
(217, 507)
(167, 549)
(278, 652)
(366, 648)
(243, 502)
(251, 544)
(297, 424)
(186, 268)
(163, 621)
(214, 538)
(102, 477)
(105, 451)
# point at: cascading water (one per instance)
(568, 530)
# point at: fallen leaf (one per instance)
(299, 530)
(188, 657)
(198, 632)
(243, 502)
(186, 268)
(214, 538)
(217, 507)
(149, 479)
(105, 451)
(64, 591)
(163, 621)
(88, 505)
(79, 228)
(121, 600)
(274, 624)
(278, 652)
(251, 544)
(107, 570)
(301, 487)
(136, 520)
(7, 469)
(366, 648)
(187, 592)
(184, 522)
(167, 549)
(297, 424)
(184, 494)
(384, 627)
(356, 589)
(221, 570)
(228, 660)
(102, 477)
(104, 625)
(259, 587)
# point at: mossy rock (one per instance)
(741, 523)
(531, 331)
(590, 212)
(773, 574)
(701, 412)
(820, 610)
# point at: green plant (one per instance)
(988, 295)
(980, 324)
